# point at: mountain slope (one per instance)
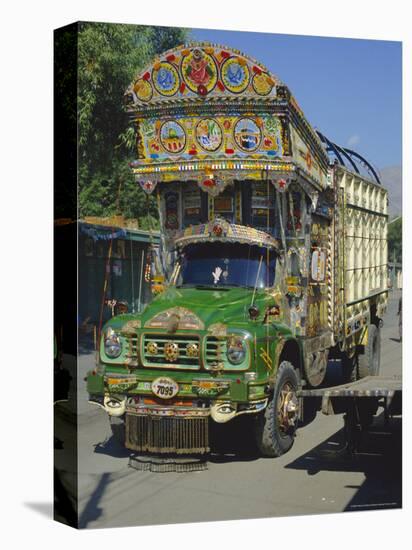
(391, 177)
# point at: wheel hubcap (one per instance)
(287, 408)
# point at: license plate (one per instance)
(165, 387)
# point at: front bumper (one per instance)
(176, 429)
(220, 410)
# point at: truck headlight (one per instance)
(236, 350)
(112, 344)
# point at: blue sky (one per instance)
(349, 89)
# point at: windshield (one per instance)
(226, 265)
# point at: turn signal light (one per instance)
(253, 312)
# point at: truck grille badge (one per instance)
(171, 351)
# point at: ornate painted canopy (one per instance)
(197, 72)
(220, 230)
(203, 110)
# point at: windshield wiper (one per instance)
(213, 287)
(199, 286)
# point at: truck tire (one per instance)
(369, 362)
(349, 368)
(117, 425)
(276, 425)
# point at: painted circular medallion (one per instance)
(143, 90)
(262, 83)
(166, 78)
(235, 75)
(199, 71)
(247, 134)
(209, 134)
(172, 137)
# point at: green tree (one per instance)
(395, 240)
(109, 57)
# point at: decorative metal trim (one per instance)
(130, 328)
(186, 319)
(218, 330)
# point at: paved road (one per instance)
(307, 480)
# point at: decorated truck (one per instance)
(274, 259)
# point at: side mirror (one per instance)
(158, 284)
(293, 286)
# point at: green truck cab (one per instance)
(258, 291)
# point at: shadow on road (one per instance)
(379, 458)
(233, 442)
(111, 447)
(92, 510)
(222, 457)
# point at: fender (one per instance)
(286, 348)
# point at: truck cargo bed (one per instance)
(361, 255)
(370, 386)
(359, 402)
(363, 396)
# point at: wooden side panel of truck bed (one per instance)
(362, 252)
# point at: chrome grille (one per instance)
(215, 351)
(159, 358)
(132, 346)
(167, 435)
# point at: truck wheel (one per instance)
(276, 425)
(117, 425)
(369, 362)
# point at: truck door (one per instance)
(319, 280)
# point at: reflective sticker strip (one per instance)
(265, 358)
(121, 381)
